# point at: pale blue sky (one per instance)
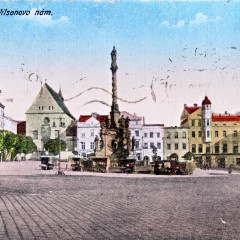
(200, 38)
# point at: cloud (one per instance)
(45, 20)
(165, 23)
(202, 18)
(179, 24)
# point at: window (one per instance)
(137, 144)
(52, 107)
(176, 135)
(39, 108)
(199, 148)
(151, 145)
(62, 124)
(184, 146)
(216, 133)
(168, 146)
(224, 148)
(145, 146)
(176, 146)
(151, 134)
(193, 123)
(184, 135)
(35, 134)
(83, 135)
(199, 123)
(92, 133)
(83, 145)
(49, 108)
(56, 133)
(158, 145)
(92, 145)
(208, 149)
(224, 133)
(207, 122)
(200, 134)
(193, 148)
(193, 134)
(238, 161)
(137, 133)
(216, 148)
(158, 134)
(42, 107)
(235, 148)
(168, 134)
(234, 133)
(54, 124)
(145, 135)
(208, 134)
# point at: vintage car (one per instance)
(47, 162)
(76, 165)
(127, 165)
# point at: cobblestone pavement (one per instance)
(47, 206)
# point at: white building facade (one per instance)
(88, 127)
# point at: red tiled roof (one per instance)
(225, 118)
(191, 109)
(206, 101)
(184, 121)
(100, 118)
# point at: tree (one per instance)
(52, 145)
(188, 156)
(12, 144)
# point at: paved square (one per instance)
(42, 205)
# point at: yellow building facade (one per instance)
(214, 139)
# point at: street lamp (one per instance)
(59, 172)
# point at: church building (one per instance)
(48, 118)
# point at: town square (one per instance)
(119, 120)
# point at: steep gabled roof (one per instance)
(59, 100)
(191, 110)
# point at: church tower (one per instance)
(207, 117)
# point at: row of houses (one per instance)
(212, 138)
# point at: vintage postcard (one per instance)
(119, 119)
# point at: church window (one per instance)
(35, 134)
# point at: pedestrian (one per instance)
(230, 168)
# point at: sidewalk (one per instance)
(33, 168)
